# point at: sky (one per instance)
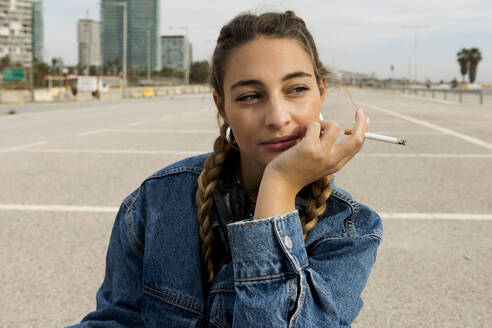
(351, 35)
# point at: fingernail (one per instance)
(368, 120)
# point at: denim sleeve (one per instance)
(119, 297)
(278, 285)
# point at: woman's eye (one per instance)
(298, 90)
(248, 97)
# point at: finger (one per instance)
(357, 148)
(344, 152)
(360, 125)
(349, 146)
(331, 130)
(313, 130)
(344, 160)
(356, 138)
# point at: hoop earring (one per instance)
(320, 116)
(230, 140)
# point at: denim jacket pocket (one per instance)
(221, 299)
(162, 309)
(222, 309)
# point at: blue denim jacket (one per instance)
(275, 279)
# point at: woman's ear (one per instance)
(219, 103)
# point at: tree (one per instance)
(93, 70)
(474, 58)
(112, 67)
(463, 57)
(41, 70)
(199, 72)
(5, 62)
(54, 63)
(80, 68)
(468, 60)
(57, 65)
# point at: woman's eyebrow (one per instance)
(242, 83)
(296, 74)
(289, 76)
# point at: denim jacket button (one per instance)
(288, 242)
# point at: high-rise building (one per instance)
(176, 52)
(37, 30)
(142, 33)
(16, 30)
(89, 43)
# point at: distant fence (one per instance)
(443, 93)
(64, 94)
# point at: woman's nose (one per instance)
(277, 113)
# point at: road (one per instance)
(66, 168)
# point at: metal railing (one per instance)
(445, 92)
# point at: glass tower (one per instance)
(176, 52)
(142, 29)
(37, 30)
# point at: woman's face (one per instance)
(270, 92)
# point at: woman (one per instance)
(253, 234)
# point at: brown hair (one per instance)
(239, 31)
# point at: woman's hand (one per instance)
(309, 160)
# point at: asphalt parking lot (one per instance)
(65, 168)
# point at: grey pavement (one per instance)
(65, 168)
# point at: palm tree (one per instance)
(463, 60)
(474, 57)
(54, 65)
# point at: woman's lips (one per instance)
(281, 144)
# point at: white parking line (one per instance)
(376, 122)
(351, 122)
(431, 126)
(193, 120)
(166, 117)
(436, 216)
(114, 209)
(88, 133)
(21, 147)
(137, 123)
(489, 122)
(408, 133)
(166, 131)
(424, 155)
(193, 153)
(115, 152)
(58, 208)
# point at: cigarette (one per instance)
(379, 137)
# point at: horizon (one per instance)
(358, 37)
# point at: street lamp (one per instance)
(415, 28)
(187, 66)
(148, 56)
(125, 35)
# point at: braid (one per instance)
(321, 191)
(207, 181)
